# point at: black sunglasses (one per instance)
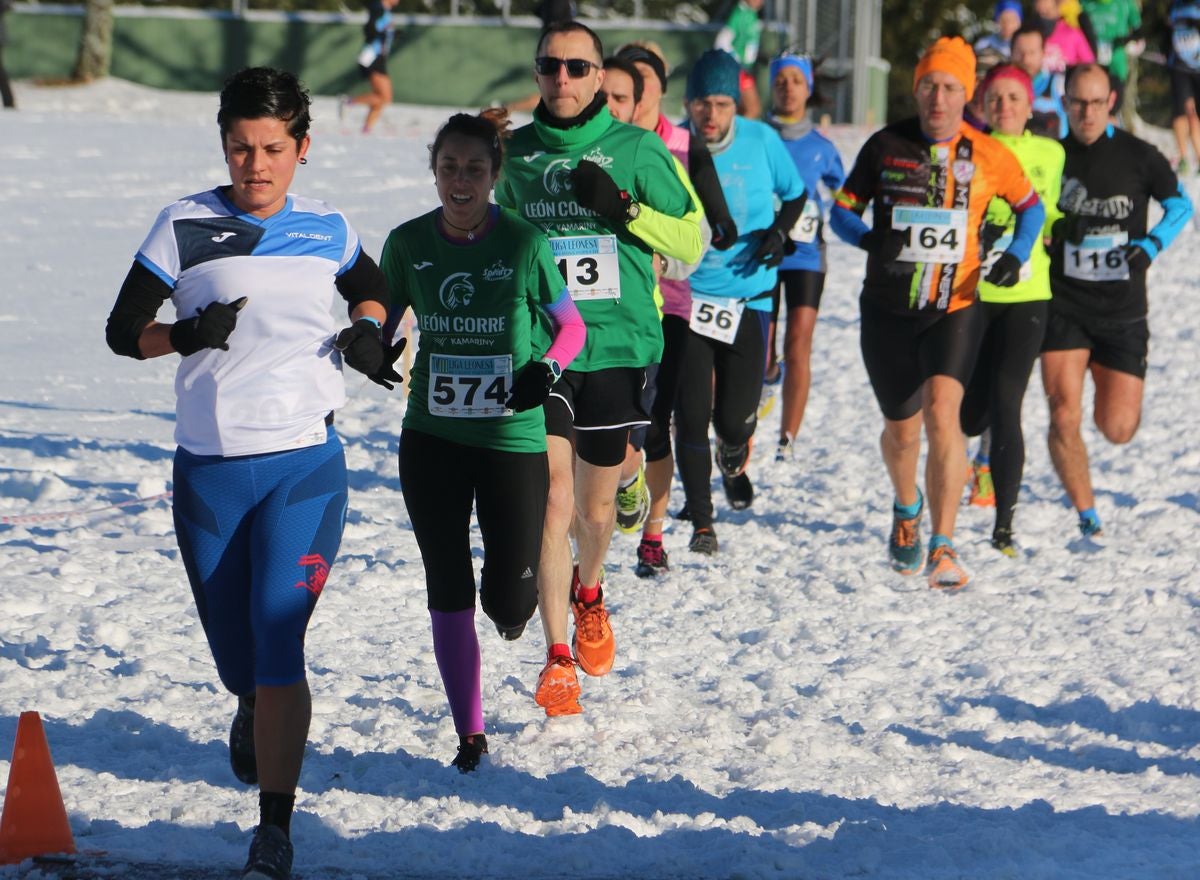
(577, 68)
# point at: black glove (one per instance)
(773, 245)
(386, 375)
(882, 244)
(988, 236)
(531, 387)
(724, 234)
(1072, 229)
(598, 192)
(209, 329)
(1136, 257)
(361, 345)
(1006, 272)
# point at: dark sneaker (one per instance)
(1089, 526)
(1002, 540)
(270, 855)
(739, 491)
(652, 559)
(704, 541)
(732, 460)
(904, 546)
(510, 633)
(470, 750)
(241, 742)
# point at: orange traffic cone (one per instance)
(34, 821)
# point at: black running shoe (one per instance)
(1002, 540)
(270, 855)
(510, 633)
(470, 750)
(739, 491)
(704, 541)
(241, 742)
(732, 460)
(652, 559)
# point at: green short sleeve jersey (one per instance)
(476, 304)
(1042, 161)
(607, 268)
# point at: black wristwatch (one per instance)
(555, 369)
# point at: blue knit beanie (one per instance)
(1006, 6)
(714, 73)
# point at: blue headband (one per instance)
(801, 62)
(1006, 6)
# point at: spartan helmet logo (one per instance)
(557, 177)
(456, 290)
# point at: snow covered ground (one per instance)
(791, 709)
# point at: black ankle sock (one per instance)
(276, 809)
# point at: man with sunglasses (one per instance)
(594, 186)
(1099, 255)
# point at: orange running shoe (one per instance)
(944, 570)
(595, 647)
(983, 490)
(558, 688)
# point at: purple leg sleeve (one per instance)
(457, 650)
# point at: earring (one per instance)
(303, 161)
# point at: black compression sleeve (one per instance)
(363, 282)
(789, 213)
(141, 296)
(707, 184)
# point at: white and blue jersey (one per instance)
(817, 160)
(281, 375)
(756, 172)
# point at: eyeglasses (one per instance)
(577, 68)
(1082, 105)
(925, 88)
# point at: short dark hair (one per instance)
(1026, 29)
(616, 62)
(490, 127)
(1076, 71)
(567, 27)
(265, 93)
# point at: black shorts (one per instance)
(1185, 86)
(637, 435)
(596, 410)
(801, 287)
(1118, 345)
(901, 351)
(379, 65)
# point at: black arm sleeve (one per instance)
(363, 282)
(789, 213)
(140, 298)
(707, 184)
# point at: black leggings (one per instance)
(996, 391)
(658, 435)
(440, 480)
(730, 403)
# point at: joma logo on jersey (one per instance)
(316, 572)
(557, 177)
(224, 235)
(456, 290)
(497, 272)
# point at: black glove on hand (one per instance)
(989, 235)
(1072, 228)
(1137, 258)
(773, 245)
(386, 375)
(598, 192)
(361, 345)
(209, 329)
(724, 234)
(531, 387)
(1006, 272)
(883, 244)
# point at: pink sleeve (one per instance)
(1081, 51)
(570, 331)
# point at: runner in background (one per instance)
(260, 477)
(1049, 114)
(802, 273)
(1100, 253)
(476, 276)
(1014, 316)
(372, 62)
(1113, 27)
(1007, 16)
(931, 179)
(1065, 43)
(741, 37)
(722, 369)
(1183, 62)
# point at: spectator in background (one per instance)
(1049, 117)
(740, 37)
(372, 61)
(5, 85)
(1064, 43)
(1183, 60)
(1007, 17)
(1114, 32)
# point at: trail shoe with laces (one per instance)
(983, 490)
(470, 750)
(739, 491)
(1002, 540)
(652, 559)
(1089, 525)
(241, 742)
(270, 855)
(904, 546)
(594, 645)
(558, 687)
(943, 569)
(785, 451)
(633, 503)
(704, 541)
(732, 461)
